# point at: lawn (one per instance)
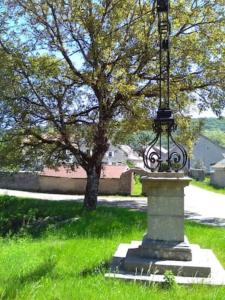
(56, 250)
(137, 187)
(207, 186)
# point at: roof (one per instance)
(132, 155)
(126, 148)
(163, 150)
(213, 142)
(220, 164)
(156, 149)
(79, 172)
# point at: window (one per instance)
(110, 154)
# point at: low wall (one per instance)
(49, 184)
(126, 183)
(217, 178)
(76, 185)
(61, 185)
(198, 174)
(20, 181)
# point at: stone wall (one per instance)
(61, 185)
(217, 178)
(20, 181)
(126, 183)
(49, 184)
(198, 174)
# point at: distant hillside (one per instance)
(214, 129)
(212, 123)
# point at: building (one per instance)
(121, 154)
(217, 177)
(206, 153)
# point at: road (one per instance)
(200, 205)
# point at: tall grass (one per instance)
(137, 187)
(62, 252)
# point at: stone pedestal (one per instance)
(165, 206)
(165, 236)
(164, 247)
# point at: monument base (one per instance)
(159, 249)
(165, 247)
(204, 268)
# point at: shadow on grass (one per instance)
(35, 275)
(42, 270)
(65, 219)
(102, 267)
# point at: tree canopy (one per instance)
(75, 72)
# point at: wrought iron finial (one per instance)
(174, 156)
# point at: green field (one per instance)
(56, 250)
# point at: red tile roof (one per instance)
(107, 172)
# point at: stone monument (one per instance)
(164, 246)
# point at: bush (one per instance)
(169, 280)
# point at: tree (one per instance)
(74, 71)
(216, 136)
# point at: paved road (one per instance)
(200, 205)
(204, 206)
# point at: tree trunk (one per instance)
(91, 192)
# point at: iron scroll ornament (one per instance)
(153, 156)
(174, 158)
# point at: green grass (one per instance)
(137, 188)
(207, 186)
(56, 250)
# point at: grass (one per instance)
(56, 250)
(137, 188)
(207, 186)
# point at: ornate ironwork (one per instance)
(175, 158)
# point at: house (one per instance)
(217, 177)
(206, 153)
(120, 154)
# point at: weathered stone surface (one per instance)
(165, 249)
(217, 274)
(138, 265)
(165, 205)
(167, 228)
(204, 266)
(165, 175)
(169, 189)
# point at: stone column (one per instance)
(165, 206)
(165, 234)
